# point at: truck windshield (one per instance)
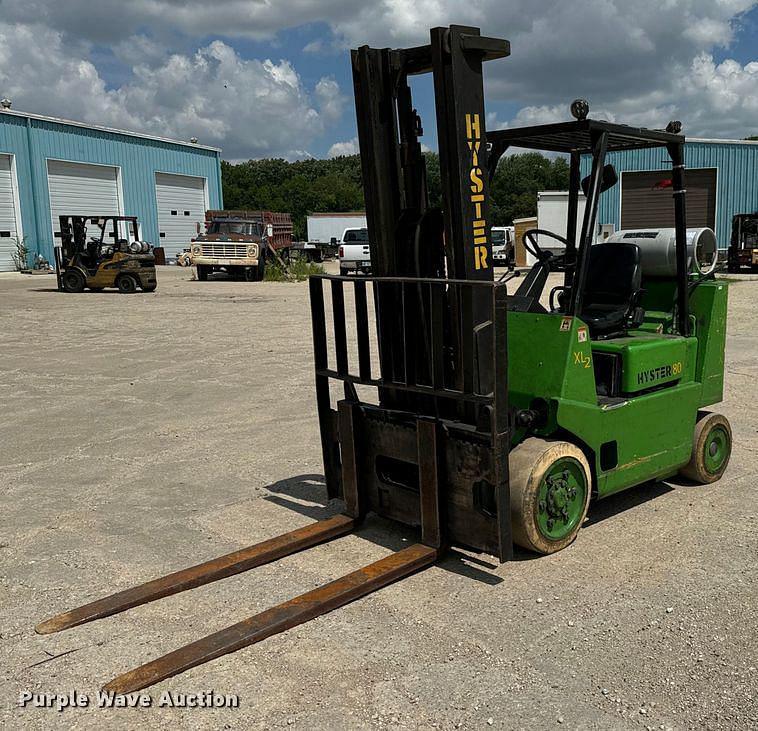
(498, 238)
(241, 228)
(356, 236)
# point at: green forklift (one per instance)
(483, 417)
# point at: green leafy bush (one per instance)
(298, 271)
(21, 255)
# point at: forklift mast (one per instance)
(433, 451)
(394, 172)
(410, 239)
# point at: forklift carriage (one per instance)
(480, 416)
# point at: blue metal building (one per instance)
(50, 166)
(721, 180)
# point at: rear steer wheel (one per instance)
(711, 449)
(73, 281)
(127, 284)
(551, 484)
(202, 273)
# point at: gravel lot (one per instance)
(144, 433)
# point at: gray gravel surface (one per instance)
(144, 433)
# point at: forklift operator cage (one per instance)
(430, 448)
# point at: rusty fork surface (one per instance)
(204, 573)
(279, 618)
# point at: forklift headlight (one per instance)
(145, 247)
(252, 251)
(135, 247)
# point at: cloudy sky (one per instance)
(266, 78)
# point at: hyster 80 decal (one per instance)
(474, 136)
(659, 374)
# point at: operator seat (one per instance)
(613, 290)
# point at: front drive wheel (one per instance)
(551, 484)
(711, 449)
(73, 281)
(127, 284)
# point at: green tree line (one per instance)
(324, 186)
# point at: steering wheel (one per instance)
(530, 243)
(533, 285)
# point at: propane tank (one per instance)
(658, 249)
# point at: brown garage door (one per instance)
(646, 199)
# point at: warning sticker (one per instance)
(581, 333)
(565, 324)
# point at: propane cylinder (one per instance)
(658, 249)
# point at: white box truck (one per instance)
(327, 228)
(552, 214)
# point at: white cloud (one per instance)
(642, 62)
(251, 108)
(348, 147)
(330, 99)
(112, 20)
(316, 46)
(140, 50)
(718, 100)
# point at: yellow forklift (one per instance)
(743, 249)
(88, 259)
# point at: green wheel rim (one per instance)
(561, 499)
(716, 449)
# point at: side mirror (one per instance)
(270, 230)
(333, 241)
(197, 226)
(610, 178)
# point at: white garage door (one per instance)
(78, 188)
(181, 206)
(9, 227)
